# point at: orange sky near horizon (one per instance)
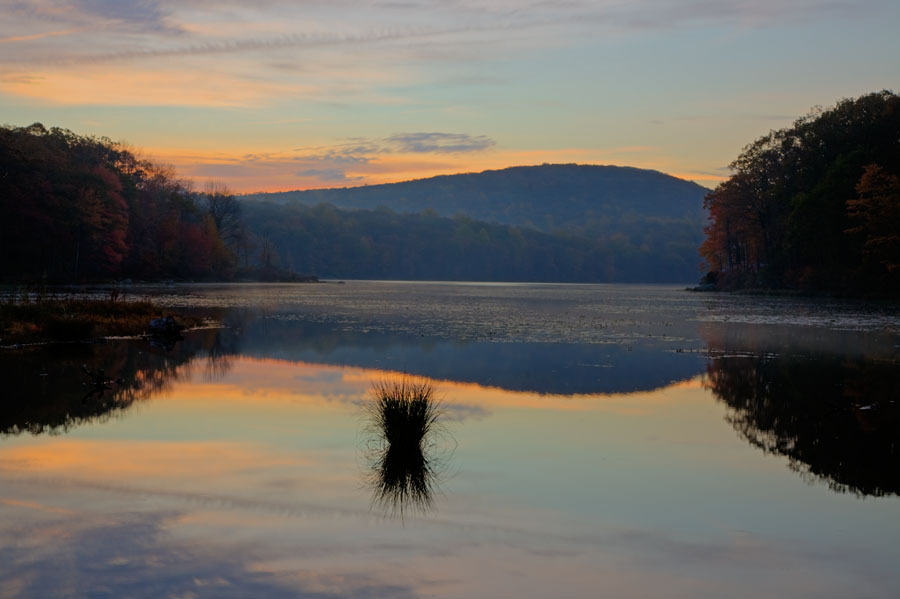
(250, 175)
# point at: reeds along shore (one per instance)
(36, 319)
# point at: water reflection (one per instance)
(52, 389)
(836, 418)
(250, 486)
(404, 445)
(614, 366)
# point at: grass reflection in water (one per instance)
(406, 445)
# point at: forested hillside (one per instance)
(814, 206)
(578, 199)
(383, 244)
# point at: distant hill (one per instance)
(579, 199)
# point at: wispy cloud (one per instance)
(151, 87)
(296, 41)
(450, 143)
(36, 36)
(328, 175)
(360, 149)
(148, 16)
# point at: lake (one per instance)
(589, 441)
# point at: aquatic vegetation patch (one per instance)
(29, 320)
(405, 444)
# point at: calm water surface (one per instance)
(593, 441)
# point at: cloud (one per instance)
(420, 143)
(36, 36)
(327, 174)
(124, 86)
(359, 150)
(351, 155)
(360, 156)
(296, 41)
(133, 554)
(146, 16)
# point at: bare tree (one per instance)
(268, 255)
(225, 210)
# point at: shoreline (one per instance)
(800, 293)
(28, 322)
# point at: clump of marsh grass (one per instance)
(404, 428)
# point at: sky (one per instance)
(286, 94)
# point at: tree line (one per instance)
(813, 206)
(77, 208)
(383, 244)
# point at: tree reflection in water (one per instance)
(835, 418)
(406, 445)
(44, 389)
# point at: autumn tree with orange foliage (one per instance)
(876, 211)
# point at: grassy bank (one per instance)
(24, 320)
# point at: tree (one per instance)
(876, 212)
(268, 254)
(225, 210)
